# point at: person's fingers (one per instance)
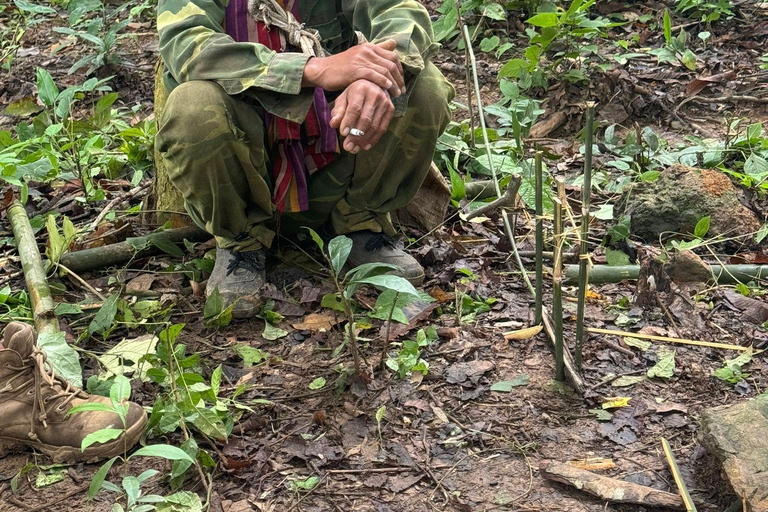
(385, 81)
(385, 50)
(339, 108)
(384, 70)
(378, 128)
(355, 103)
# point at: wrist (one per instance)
(311, 72)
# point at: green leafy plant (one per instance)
(119, 394)
(731, 371)
(408, 358)
(372, 274)
(675, 47)
(706, 10)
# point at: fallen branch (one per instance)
(34, 274)
(119, 199)
(681, 341)
(545, 127)
(724, 274)
(508, 199)
(610, 489)
(121, 252)
(479, 190)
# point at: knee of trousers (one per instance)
(431, 94)
(190, 108)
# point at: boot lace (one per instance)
(42, 375)
(379, 241)
(248, 260)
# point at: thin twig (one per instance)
(122, 197)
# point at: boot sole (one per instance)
(73, 454)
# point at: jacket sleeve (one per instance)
(194, 46)
(405, 21)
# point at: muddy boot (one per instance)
(368, 247)
(239, 277)
(34, 403)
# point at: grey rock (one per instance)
(736, 435)
(679, 198)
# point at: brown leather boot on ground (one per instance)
(34, 402)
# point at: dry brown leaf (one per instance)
(316, 322)
(700, 83)
(523, 334)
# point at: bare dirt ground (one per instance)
(447, 441)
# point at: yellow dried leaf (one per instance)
(616, 402)
(316, 322)
(523, 334)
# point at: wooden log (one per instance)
(132, 248)
(610, 489)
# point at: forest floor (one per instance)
(452, 439)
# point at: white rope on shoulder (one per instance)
(271, 13)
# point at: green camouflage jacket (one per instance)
(194, 46)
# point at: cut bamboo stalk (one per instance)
(573, 376)
(122, 252)
(539, 184)
(724, 274)
(557, 292)
(586, 190)
(34, 274)
(675, 469)
(652, 337)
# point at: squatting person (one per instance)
(291, 113)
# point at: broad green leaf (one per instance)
(602, 414)
(98, 478)
(317, 238)
(250, 355)
(100, 436)
(24, 5)
(458, 187)
(182, 501)
(51, 477)
(61, 356)
(638, 343)
(338, 252)
(616, 258)
(702, 227)
(164, 451)
(380, 413)
(506, 386)
(273, 333)
(132, 488)
(125, 358)
(689, 60)
(90, 406)
(168, 247)
(318, 383)
(761, 233)
(627, 380)
(105, 317)
(305, 485)
(369, 269)
(667, 27)
(216, 380)
(209, 424)
(120, 390)
(332, 301)
(213, 305)
(46, 88)
(665, 368)
(543, 19)
(389, 282)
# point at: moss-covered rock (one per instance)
(679, 198)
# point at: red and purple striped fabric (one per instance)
(296, 150)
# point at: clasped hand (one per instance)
(370, 75)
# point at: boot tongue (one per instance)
(22, 342)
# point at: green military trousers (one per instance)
(213, 147)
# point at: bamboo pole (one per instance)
(586, 190)
(675, 469)
(539, 185)
(573, 376)
(121, 252)
(557, 292)
(34, 274)
(653, 337)
(724, 274)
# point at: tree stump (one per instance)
(167, 203)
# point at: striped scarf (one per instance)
(296, 150)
